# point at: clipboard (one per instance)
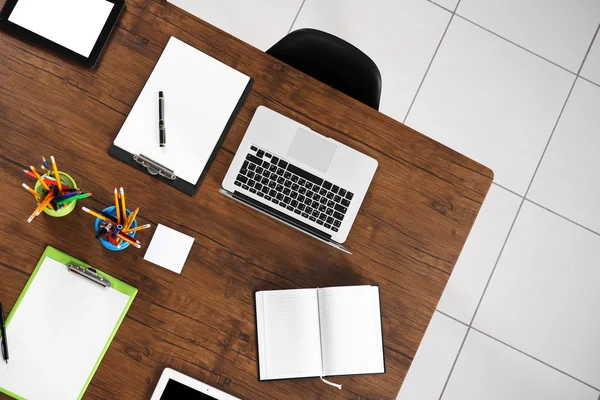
(202, 97)
(54, 268)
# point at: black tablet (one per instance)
(78, 29)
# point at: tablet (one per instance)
(78, 29)
(174, 385)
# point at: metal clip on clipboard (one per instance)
(154, 168)
(89, 273)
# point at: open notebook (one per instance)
(59, 330)
(319, 332)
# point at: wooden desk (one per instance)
(407, 237)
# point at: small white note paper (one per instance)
(169, 248)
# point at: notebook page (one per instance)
(351, 330)
(200, 94)
(288, 334)
(58, 333)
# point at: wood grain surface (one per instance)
(407, 237)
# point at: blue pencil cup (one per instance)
(104, 242)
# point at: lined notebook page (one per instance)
(58, 333)
(351, 330)
(288, 333)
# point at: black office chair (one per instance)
(332, 61)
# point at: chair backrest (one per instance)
(332, 61)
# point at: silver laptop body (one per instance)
(302, 178)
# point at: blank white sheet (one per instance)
(57, 334)
(351, 330)
(288, 334)
(74, 24)
(200, 95)
(169, 248)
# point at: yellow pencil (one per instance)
(139, 228)
(131, 219)
(41, 206)
(126, 239)
(117, 206)
(45, 203)
(39, 178)
(33, 192)
(56, 175)
(123, 206)
(95, 214)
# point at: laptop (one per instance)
(300, 177)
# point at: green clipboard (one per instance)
(116, 284)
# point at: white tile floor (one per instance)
(497, 80)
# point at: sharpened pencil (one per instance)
(139, 228)
(56, 174)
(33, 192)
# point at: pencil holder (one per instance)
(65, 180)
(108, 245)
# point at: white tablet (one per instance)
(174, 385)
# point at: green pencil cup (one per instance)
(64, 180)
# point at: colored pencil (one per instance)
(73, 198)
(125, 238)
(38, 177)
(41, 205)
(45, 162)
(117, 206)
(95, 214)
(45, 203)
(112, 241)
(131, 218)
(56, 174)
(33, 192)
(139, 228)
(123, 206)
(48, 179)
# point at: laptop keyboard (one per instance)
(288, 186)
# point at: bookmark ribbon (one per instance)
(331, 383)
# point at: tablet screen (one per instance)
(177, 391)
(74, 24)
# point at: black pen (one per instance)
(4, 338)
(162, 132)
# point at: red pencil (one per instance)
(48, 180)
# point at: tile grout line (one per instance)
(296, 17)
(454, 364)
(515, 349)
(470, 326)
(516, 44)
(563, 217)
(451, 317)
(440, 6)
(430, 64)
(507, 189)
(534, 358)
(590, 81)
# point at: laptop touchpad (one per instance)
(312, 150)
